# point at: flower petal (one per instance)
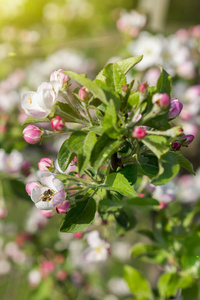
(44, 205)
(59, 198)
(36, 193)
(58, 185)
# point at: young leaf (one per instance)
(89, 84)
(168, 168)
(79, 216)
(137, 283)
(76, 141)
(115, 78)
(30, 120)
(117, 182)
(65, 156)
(168, 285)
(103, 149)
(164, 82)
(157, 144)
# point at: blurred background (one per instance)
(37, 37)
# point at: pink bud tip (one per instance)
(143, 88)
(32, 134)
(164, 101)
(175, 108)
(84, 94)
(58, 123)
(47, 213)
(138, 132)
(78, 235)
(125, 88)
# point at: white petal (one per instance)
(58, 185)
(36, 193)
(44, 205)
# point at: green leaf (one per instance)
(106, 205)
(118, 182)
(80, 216)
(125, 65)
(71, 113)
(30, 120)
(140, 249)
(157, 144)
(114, 77)
(137, 283)
(76, 141)
(168, 285)
(89, 84)
(164, 82)
(103, 150)
(142, 201)
(168, 168)
(88, 145)
(130, 173)
(133, 99)
(128, 63)
(125, 220)
(185, 163)
(65, 156)
(110, 121)
(97, 129)
(149, 165)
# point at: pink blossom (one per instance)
(138, 132)
(187, 139)
(46, 267)
(32, 134)
(47, 213)
(45, 164)
(58, 123)
(32, 185)
(61, 275)
(162, 100)
(176, 146)
(60, 77)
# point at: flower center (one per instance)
(48, 195)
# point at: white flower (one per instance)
(50, 194)
(98, 250)
(39, 104)
(165, 193)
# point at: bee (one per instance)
(46, 196)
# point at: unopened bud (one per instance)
(174, 131)
(138, 132)
(175, 108)
(143, 88)
(60, 77)
(176, 146)
(187, 139)
(47, 213)
(162, 100)
(58, 123)
(32, 134)
(45, 164)
(84, 94)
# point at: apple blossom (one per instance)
(138, 132)
(45, 164)
(176, 146)
(50, 194)
(84, 94)
(187, 139)
(162, 100)
(175, 108)
(60, 77)
(58, 123)
(63, 208)
(32, 134)
(47, 213)
(39, 104)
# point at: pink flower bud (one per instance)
(143, 88)
(47, 213)
(124, 89)
(58, 123)
(187, 139)
(84, 94)
(61, 275)
(60, 77)
(175, 108)
(46, 267)
(3, 212)
(32, 185)
(162, 100)
(138, 132)
(44, 164)
(176, 146)
(63, 208)
(78, 235)
(32, 134)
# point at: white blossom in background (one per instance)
(148, 45)
(165, 193)
(189, 188)
(34, 277)
(118, 286)
(98, 248)
(131, 22)
(35, 221)
(121, 250)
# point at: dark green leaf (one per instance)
(125, 220)
(142, 201)
(80, 216)
(88, 145)
(185, 163)
(130, 173)
(65, 156)
(76, 141)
